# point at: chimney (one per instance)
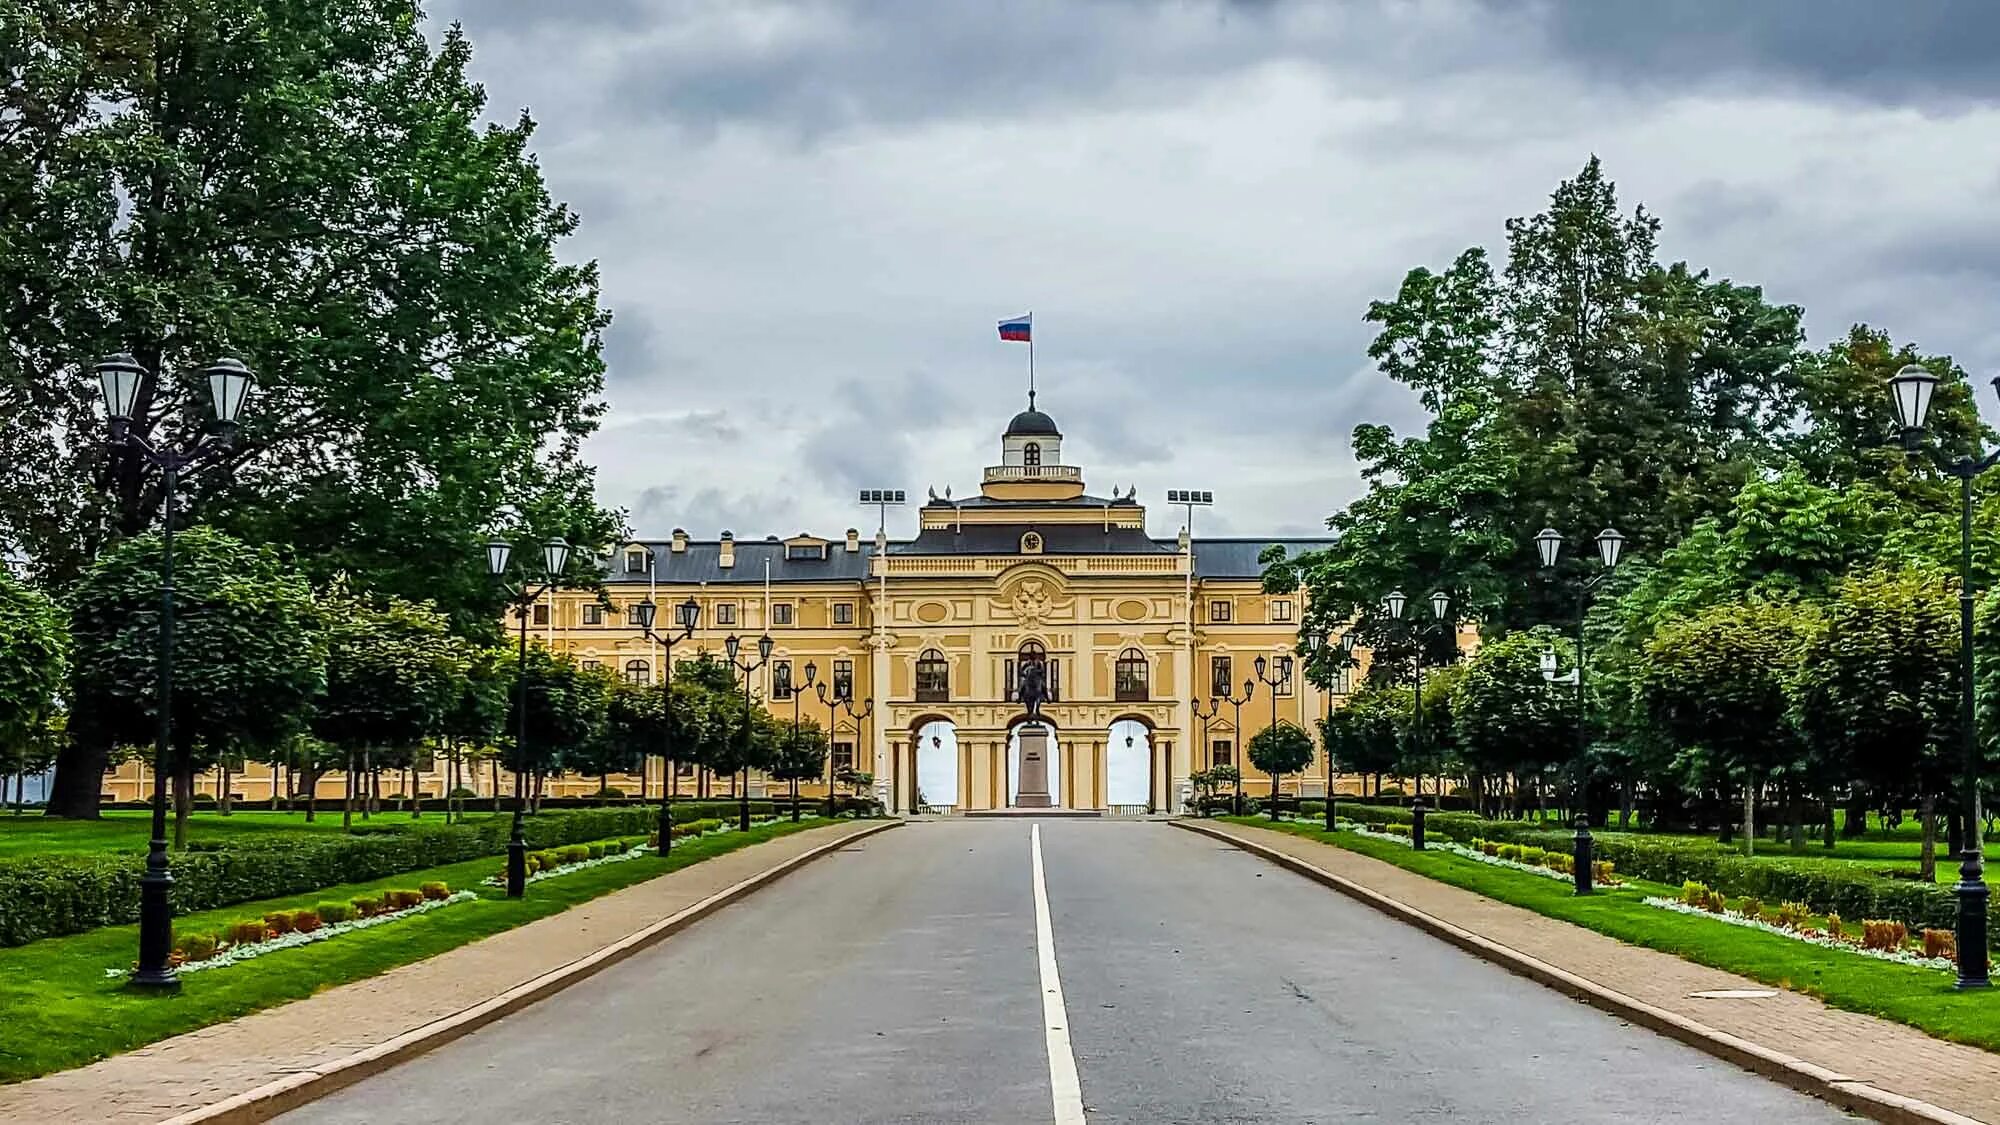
(680, 541)
(727, 558)
(853, 541)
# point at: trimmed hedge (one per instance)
(1674, 860)
(48, 896)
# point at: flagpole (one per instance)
(1031, 359)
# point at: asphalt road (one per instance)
(897, 981)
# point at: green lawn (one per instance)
(1922, 998)
(129, 829)
(61, 1011)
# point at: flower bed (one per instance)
(576, 857)
(1881, 939)
(244, 941)
(1533, 861)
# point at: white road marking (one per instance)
(1063, 1082)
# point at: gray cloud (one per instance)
(809, 214)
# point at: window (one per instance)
(635, 561)
(725, 613)
(1132, 682)
(542, 614)
(632, 614)
(781, 679)
(592, 665)
(1031, 454)
(843, 757)
(593, 613)
(1343, 681)
(637, 671)
(843, 679)
(1219, 752)
(781, 613)
(1220, 676)
(843, 613)
(1281, 610)
(805, 551)
(683, 769)
(1219, 612)
(933, 677)
(1284, 672)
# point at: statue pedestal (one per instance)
(1033, 791)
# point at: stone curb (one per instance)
(1840, 1089)
(292, 1091)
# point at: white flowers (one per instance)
(1734, 918)
(580, 865)
(295, 938)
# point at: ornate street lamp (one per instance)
(1910, 391)
(122, 380)
(1237, 759)
(1281, 671)
(731, 645)
(1610, 548)
(688, 615)
(523, 594)
(1205, 718)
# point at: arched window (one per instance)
(1132, 681)
(1033, 652)
(1031, 454)
(637, 672)
(933, 677)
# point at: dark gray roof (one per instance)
(1057, 539)
(1032, 423)
(701, 562)
(1237, 558)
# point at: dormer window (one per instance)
(1031, 454)
(806, 551)
(635, 560)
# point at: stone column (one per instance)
(1177, 769)
(890, 759)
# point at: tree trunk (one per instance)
(1855, 818)
(1927, 859)
(222, 790)
(347, 796)
(312, 794)
(1625, 804)
(183, 804)
(1750, 816)
(1795, 812)
(1725, 834)
(496, 783)
(79, 779)
(1826, 822)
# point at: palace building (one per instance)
(1137, 636)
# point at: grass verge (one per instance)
(61, 1011)
(1921, 998)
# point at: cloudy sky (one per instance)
(810, 215)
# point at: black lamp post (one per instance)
(841, 695)
(689, 617)
(1911, 391)
(1249, 689)
(122, 380)
(730, 646)
(1610, 547)
(1207, 746)
(1280, 672)
(555, 559)
(812, 671)
(1440, 607)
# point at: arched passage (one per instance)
(1014, 765)
(937, 764)
(1128, 777)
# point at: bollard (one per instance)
(1417, 825)
(1971, 938)
(1583, 854)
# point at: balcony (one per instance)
(1029, 474)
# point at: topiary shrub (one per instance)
(333, 913)
(366, 906)
(401, 898)
(246, 933)
(278, 923)
(195, 947)
(1940, 943)
(435, 891)
(594, 851)
(305, 921)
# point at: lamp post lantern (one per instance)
(839, 697)
(687, 617)
(1910, 392)
(1610, 548)
(812, 671)
(731, 645)
(555, 560)
(1281, 671)
(1205, 718)
(1236, 758)
(123, 380)
(1393, 604)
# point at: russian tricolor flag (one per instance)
(1016, 329)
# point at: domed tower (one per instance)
(1031, 465)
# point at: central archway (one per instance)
(1128, 765)
(1014, 764)
(937, 766)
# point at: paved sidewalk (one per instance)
(1889, 1056)
(203, 1067)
